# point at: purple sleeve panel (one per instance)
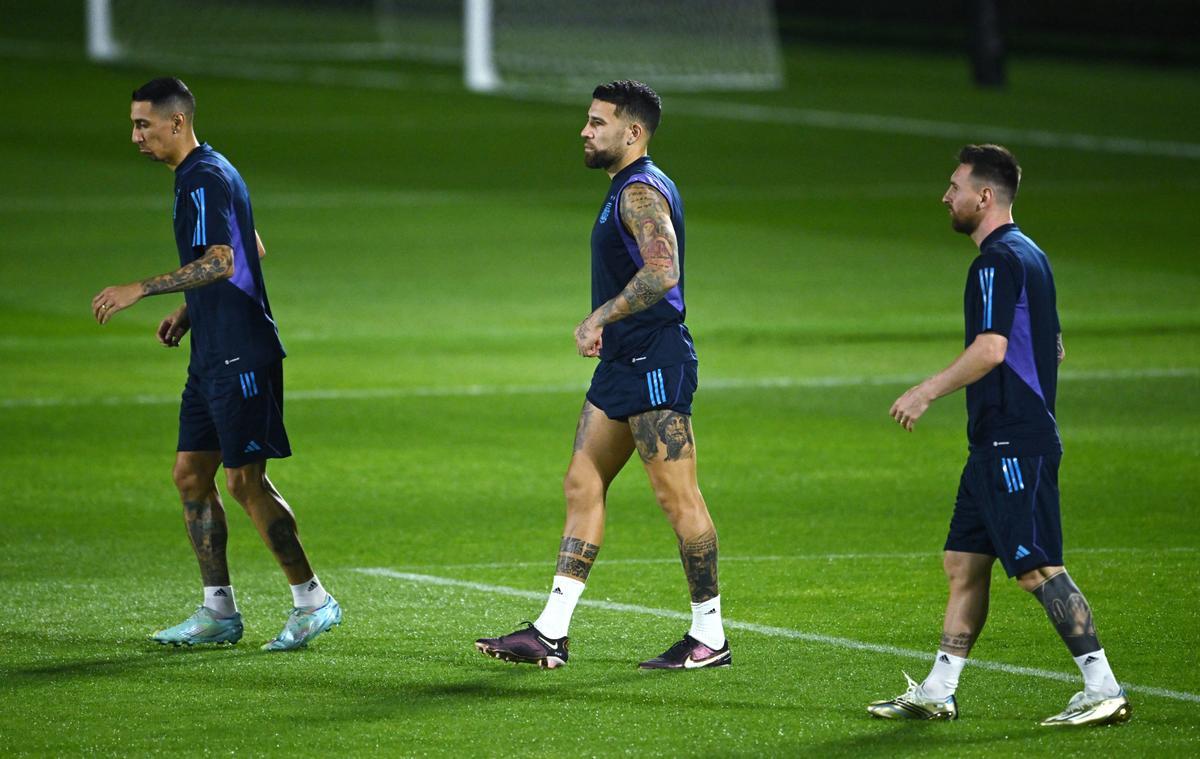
(673, 296)
(243, 278)
(1019, 356)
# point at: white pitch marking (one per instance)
(932, 555)
(467, 391)
(777, 632)
(869, 122)
(733, 111)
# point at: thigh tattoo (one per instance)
(670, 429)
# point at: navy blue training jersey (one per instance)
(232, 327)
(1010, 291)
(655, 337)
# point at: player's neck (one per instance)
(183, 150)
(629, 158)
(990, 224)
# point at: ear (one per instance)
(178, 120)
(987, 197)
(635, 133)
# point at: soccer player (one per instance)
(641, 392)
(232, 407)
(1007, 505)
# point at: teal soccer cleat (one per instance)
(304, 625)
(202, 627)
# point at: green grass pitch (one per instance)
(427, 263)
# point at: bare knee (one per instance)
(1032, 580)
(245, 483)
(963, 573)
(583, 488)
(192, 483)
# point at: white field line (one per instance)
(471, 391)
(828, 557)
(776, 632)
(868, 122)
(860, 122)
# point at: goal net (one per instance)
(502, 45)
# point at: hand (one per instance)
(113, 299)
(172, 329)
(587, 337)
(909, 407)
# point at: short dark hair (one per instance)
(995, 165)
(167, 91)
(634, 100)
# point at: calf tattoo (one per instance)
(670, 428)
(285, 543)
(958, 644)
(1069, 613)
(575, 558)
(209, 535)
(699, 556)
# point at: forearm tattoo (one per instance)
(670, 429)
(1070, 613)
(209, 535)
(575, 558)
(216, 264)
(645, 213)
(958, 644)
(285, 543)
(699, 556)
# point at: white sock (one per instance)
(219, 598)
(706, 623)
(309, 594)
(943, 678)
(556, 617)
(1097, 675)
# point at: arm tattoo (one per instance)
(645, 213)
(209, 535)
(670, 428)
(699, 556)
(575, 558)
(216, 264)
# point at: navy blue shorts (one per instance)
(1008, 508)
(621, 393)
(240, 416)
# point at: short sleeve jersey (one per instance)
(1010, 291)
(232, 327)
(654, 337)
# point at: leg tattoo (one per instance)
(575, 558)
(209, 535)
(585, 419)
(670, 428)
(285, 543)
(1069, 613)
(958, 644)
(699, 556)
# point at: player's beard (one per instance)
(964, 224)
(600, 159)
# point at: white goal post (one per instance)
(503, 45)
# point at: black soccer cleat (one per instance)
(690, 653)
(526, 646)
